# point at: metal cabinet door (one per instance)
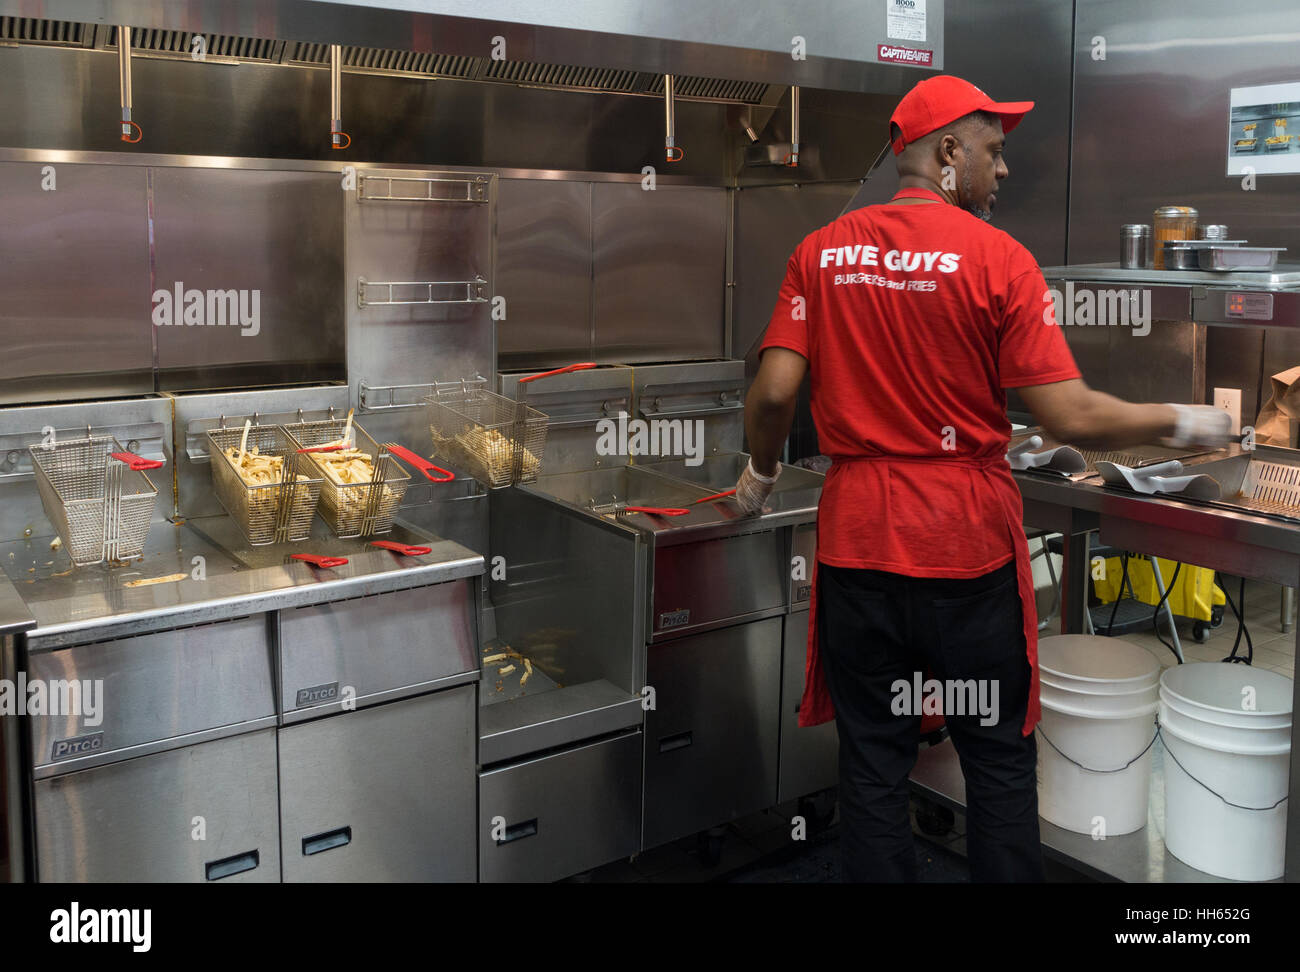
(711, 740)
(382, 794)
(562, 814)
(810, 757)
(202, 813)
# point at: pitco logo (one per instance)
(905, 55)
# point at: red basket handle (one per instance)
(324, 448)
(137, 463)
(716, 496)
(420, 463)
(321, 560)
(405, 549)
(559, 371)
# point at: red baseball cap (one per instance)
(942, 99)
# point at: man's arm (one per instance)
(1072, 412)
(769, 406)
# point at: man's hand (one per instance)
(1200, 426)
(753, 489)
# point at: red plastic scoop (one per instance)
(420, 463)
(405, 549)
(137, 463)
(321, 560)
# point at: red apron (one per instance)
(816, 706)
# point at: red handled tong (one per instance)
(420, 463)
(405, 549)
(321, 560)
(655, 510)
(324, 448)
(137, 463)
(716, 496)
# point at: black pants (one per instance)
(878, 630)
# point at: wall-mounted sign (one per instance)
(905, 20)
(1264, 129)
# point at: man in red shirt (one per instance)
(913, 318)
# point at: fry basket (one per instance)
(492, 438)
(100, 508)
(353, 509)
(271, 512)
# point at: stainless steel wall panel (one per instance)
(136, 821)
(659, 268)
(1166, 365)
(544, 272)
(381, 794)
(1150, 119)
(419, 241)
(1233, 359)
(74, 269)
(277, 233)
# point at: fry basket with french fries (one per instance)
(260, 479)
(487, 435)
(362, 483)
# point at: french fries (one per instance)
(494, 448)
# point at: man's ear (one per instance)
(949, 146)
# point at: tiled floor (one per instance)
(761, 849)
(1273, 649)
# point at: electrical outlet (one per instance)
(1229, 399)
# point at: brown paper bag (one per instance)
(1279, 419)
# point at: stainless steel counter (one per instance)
(75, 605)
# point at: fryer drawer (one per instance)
(376, 648)
(152, 691)
(561, 814)
(702, 585)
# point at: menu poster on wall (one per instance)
(1264, 129)
(905, 20)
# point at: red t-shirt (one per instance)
(914, 319)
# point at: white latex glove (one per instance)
(1200, 425)
(753, 488)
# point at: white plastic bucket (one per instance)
(1099, 698)
(1224, 781)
